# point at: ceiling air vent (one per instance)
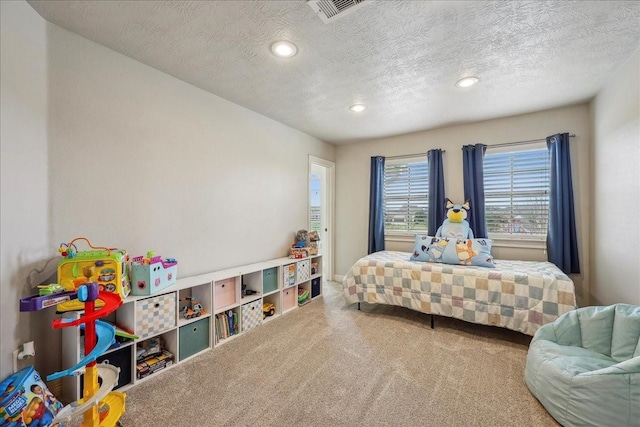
(330, 10)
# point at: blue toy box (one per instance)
(26, 401)
(152, 274)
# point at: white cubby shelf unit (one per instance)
(278, 283)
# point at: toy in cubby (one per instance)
(152, 273)
(151, 357)
(192, 308)
(268, 309)
(153, 364)
(108, 267)
(148, 348)
(303, 296)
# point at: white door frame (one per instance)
(331, 178)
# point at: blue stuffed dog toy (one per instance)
(456, 224)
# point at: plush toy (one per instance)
(456, 224)
(436, 249)
(302, 237)
(464, 250)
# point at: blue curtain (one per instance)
(436, 191)
(562, 242)
(376, 210)
(473, 175)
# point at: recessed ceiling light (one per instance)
(284, 49)
(467, 81)
(358, 108)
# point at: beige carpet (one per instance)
(328, 364)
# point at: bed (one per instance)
(517, 295)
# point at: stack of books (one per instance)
(226, 324)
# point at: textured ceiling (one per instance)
(401, 58)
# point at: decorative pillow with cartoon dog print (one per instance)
(451, 250)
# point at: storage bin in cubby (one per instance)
(315, 287)
(289, 275)
(289, 298)
(194, 337)
(155, 315)
(251, 315)
(225, 293)
(269, 280)
(304, 270)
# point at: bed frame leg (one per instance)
(358, 306)
(432, 322)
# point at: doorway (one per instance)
(321, 212)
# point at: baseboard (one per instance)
(338, 277)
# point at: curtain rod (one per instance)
(531, 141)
(505, 144)
(404, 156)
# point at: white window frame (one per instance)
(535, 239)
(418, 196)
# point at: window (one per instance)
(314, 202)
(516, 185)
(406, 185)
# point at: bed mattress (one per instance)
(518, 295)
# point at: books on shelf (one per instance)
(226, 325)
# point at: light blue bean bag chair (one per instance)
(585, 366)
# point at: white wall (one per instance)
(615, 200)
(24, 168)
(352, 176)
(143, 161)
(136, 160)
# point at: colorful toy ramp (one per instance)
(116, 406)
(111, 303)
(39, 302)
(99, 407)
(105, 334)
(74, 305)
(104, 396)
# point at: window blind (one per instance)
(406, 185)
(516, 188)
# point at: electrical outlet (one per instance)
(21, 356)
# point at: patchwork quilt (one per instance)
(518, 295)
